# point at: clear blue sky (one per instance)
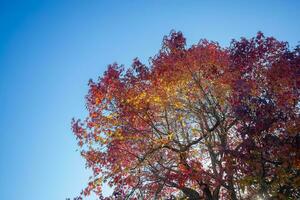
(50, 49)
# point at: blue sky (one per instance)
(50, 49)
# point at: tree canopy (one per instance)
(198, 122)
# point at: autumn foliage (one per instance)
(199, 122)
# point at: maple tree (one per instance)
(202, 122)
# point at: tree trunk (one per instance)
(207, 193)
(232, 191)
(190, 193)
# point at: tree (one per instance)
(202, 122)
